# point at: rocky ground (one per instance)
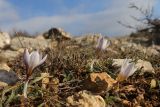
(68, 79)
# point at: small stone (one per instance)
(5, 40)
(118, 62)
(85, 99)
(8, 77)
(21, 50)
(140, 98)
(99, 82)
(115, 41)
(3, 84)
(126, 103)
(145, 66)
(153, 83)
(4, 66)
(45, 80)
(151, 51)
(3, 63)
(128, 88)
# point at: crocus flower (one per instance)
(102, 43)
(127, 69)
(32, 60)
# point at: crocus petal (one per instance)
(26, 57)
(125, 64)
(128, 71)
(108, 43)
(34, 60)
(104, 44)
(99, 42)
(40, 56)
(133, 69)
(42, 60)
(31, 61)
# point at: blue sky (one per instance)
(33, 8)
(74, 16)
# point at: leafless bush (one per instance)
(152, 29)
(21, 33)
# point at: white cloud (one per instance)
(104, 22)
(8, 13)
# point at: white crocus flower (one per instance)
(127, 69)
(31, 61)
(102, 43)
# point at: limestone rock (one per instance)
(117, 62)
(99, 82)
(85, 99)
(91, 38)
(9, 54)
(145, 66)
(157, 47)
(151, 51)
(40, 37)
(115, 41)
(57, 33)
(5, 40)
(88, 39)
(65, 35)
(29, 42)
(3, 63)
(4, 66)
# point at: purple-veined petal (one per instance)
(99, 43)
(40, 56)
(104, 44)
(42, 60)
(125, 64)
(108, 43)
(133, 69)
(26, 57)
(128, 70)
(34, 59)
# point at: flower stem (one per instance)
(25, 89)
